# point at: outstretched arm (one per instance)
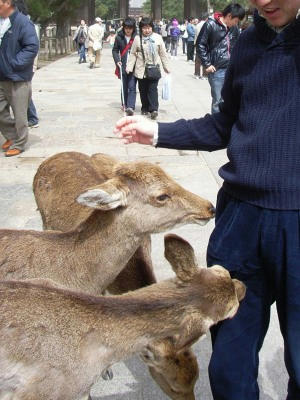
(136, 129)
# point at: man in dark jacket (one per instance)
(257, 231)
(214, 44)
(120, 52)
(18, 47)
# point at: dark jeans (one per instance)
(82, 55)
(184, 44)
(216, 81)
(174, 46)
(168, 43)
(32, 114)
(129, 88)
(190, 51)
(148, 94)
(261, 248)
(197, 65)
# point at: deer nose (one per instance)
(212, 210)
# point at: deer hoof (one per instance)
(107, 374)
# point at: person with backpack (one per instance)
(121, 50)
(214, 45)
(175, 35)
(80, 38)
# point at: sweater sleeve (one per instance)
(212, 132)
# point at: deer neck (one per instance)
(137, 320)
(107, 242)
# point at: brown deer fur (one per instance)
(59, 180)
(54, 343)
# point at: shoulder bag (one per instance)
(152, 71)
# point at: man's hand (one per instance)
(210, 69)
(136, 129)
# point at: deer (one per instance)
(55, 342)
(57, 182)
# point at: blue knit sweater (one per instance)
(258, 122)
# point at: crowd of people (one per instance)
(207, 42)
(142, 52)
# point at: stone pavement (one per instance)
(78, 108)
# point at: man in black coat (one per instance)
(214, 44)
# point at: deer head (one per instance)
(152, 199)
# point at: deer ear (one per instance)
(107, 196)
(181, 256)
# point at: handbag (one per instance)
(166, 88)
(152, 71)
(97, 45)
(127, 47)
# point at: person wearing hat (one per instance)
(95, 34)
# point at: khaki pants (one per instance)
(16, 95)
(94, 56)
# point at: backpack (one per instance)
(82, 37)
(174, 32)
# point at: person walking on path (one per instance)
(80, 37)
(184, 36)
(147, 48)
(19, 46)
(198, 74)
(257, 232)
(95, 37)
(190, 28)
(33, 120)
(214, 45)
(120, 52)
(175, 35)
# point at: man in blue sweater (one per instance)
(257, 232)
(18, 48)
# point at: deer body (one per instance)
(57, 182)
(67, 258)
(54, 343)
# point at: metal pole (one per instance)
(122, 90)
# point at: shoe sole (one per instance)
(12, 155)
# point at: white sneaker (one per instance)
(33, 125)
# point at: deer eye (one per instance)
(162, 197)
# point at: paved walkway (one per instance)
(78, 108)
